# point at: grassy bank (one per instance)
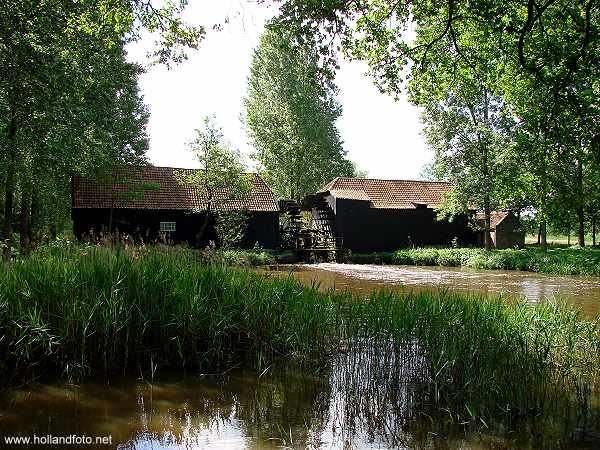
(558, 239)
(100, 311)
(238, 257)
(65, 246)
(558, 261)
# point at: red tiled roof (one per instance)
(389, 194)
(152, 187)
(495, 218)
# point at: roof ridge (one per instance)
(187, 168)
(389, 179)
(329, 185)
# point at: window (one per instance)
(167, 226)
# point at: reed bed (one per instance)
(89, 311)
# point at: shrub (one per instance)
(556, 261)
(231, 227)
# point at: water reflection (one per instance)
(374, 388)
(236, 411)
(370, 397)
(584, 292)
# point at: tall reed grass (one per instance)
(99, 311)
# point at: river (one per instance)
(278, 409)
(581, 291)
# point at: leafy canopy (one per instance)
(221, 174)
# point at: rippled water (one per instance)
(369, 399)
(584, 292)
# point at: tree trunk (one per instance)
(581, 228)
(9, 192)
(34, 220)
(487, 224)
(580, 202)
(544, 236)
(25, 211)
(543, 187)
(2, 183)
(594, 230)
(204, 226)
(8, 216)
(487, 244)
(53, 231)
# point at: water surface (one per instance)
(584, 292)
(368, 400)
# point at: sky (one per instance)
(380, 135)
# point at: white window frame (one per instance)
(168, 227)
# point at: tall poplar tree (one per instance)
(291, 113)
(542, 61)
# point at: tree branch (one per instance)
(441, 36)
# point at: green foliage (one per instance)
(558, 261)
(290, 114)
(466, 122)
(220, 180)
(231, 228)
(241, 258)
(221, 173)
(115, 20)
(85, 310)
(69, 100)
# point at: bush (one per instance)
(558, 261)
(237, 257)
(231, 227)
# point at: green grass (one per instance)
(239, 257)
(215, 256)
(558, 261)
(558, 239)
(89, 311)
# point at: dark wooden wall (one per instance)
(509, 234)
(263, 227)
(369, 229)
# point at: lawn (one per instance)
(558, 239)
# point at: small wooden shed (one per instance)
(505, 230)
